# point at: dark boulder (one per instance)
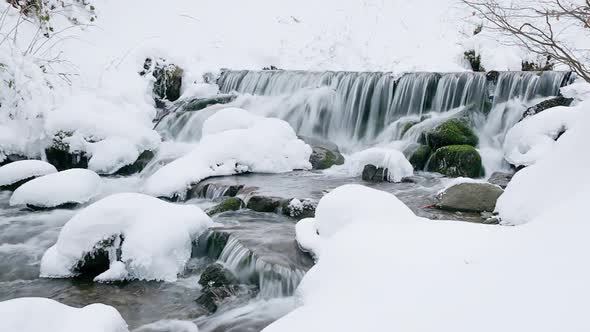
(372, 173)
(547, 104)
(419, 158)
(218, 284)
(198, 104)
(60, 155)
(456, 161)
(11, 158)
(168, 79)
(324, 154)
(500, 179)
(260, 203)
(469, 197)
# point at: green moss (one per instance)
(407, 127)
(420, 157)
(229, 204)
(452, 132)
(455, 161)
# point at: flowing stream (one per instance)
(354, 110)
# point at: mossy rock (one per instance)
(451, 132)
(456, 161)
(407, 127)
(420, 157)
(228, 204)
(144, 158)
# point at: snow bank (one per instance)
(535, 136)
(24, 169)
(157, 238)
(461, 276)
(559, 175)
(31, 314)
(234, 141)
(395, 161)
(70, 186)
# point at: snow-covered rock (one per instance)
(234, 141)
(157, 238)
(391, 159)
(535, 136)
(76, 186)
(31, 314)
(22, 170)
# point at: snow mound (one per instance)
(234, 141)
(340, 208)
(535, 136)
(24, 169)
(393, 160)
(70, 186)
(31, 314)
(157, 238)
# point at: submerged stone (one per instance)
(470, 197)
(144, 158)
(456, 161)
(228, 204)
(218, 284)
(324, 154)
(264, 203)
(372, 173)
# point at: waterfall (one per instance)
(356, 107)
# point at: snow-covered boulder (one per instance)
(469, 197)
(535, 136)
(234, 141)
(32, 314)
(152, 238)
(392, 160)
(73, 186)
(340, 209)
(17, 173)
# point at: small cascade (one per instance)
(273, 279)
(352, 108)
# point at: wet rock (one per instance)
(469, 197)
(14, 186)
(492, 76)
(547, 104)
(407, 127)
(300, 208)
(372, 173)
(66, 206)
(228, 204)
(198, 104)
(474, 60)
(168, 77)
(218, 284)
(411, 179)
(324, 154)
(144, 158)
(420, 157)
(451, 132)
(456, 161)
(211, 243)
(97, 260)
(60, 156)
(500, 179)
(264, 203)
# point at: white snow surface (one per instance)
(396, 268)
(534, 137)
(157, 237)
(75, 185)
(32, 314)
(24, 169)
(234, 141)
(393, 160)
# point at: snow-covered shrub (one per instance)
(234, 141)
(154, 238)
(50, 315)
